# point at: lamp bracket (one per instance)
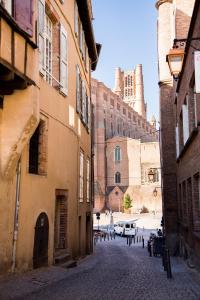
(181, 43)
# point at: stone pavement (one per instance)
(115, 271)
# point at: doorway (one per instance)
(60, 229)
(41, 239)
(88, 233)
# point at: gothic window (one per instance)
(117, 153)
(117, 177)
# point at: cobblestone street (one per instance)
(115, 271)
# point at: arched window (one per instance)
(117, 153)
(117, 177)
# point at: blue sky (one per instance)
(127, 31)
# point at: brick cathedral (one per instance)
(126, 147)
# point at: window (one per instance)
(45, 42)
(48, 49)
(117, 153)
(81, 176)
(88, 180)
(82, 99)
(124, 111)
(52, 42)
(38, 150)
(112, 102)
(117, 177)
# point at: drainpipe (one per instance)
(16, 219)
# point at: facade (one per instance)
(46, 57)
(126, 145)
(180, 158)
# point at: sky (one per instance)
(127, 31)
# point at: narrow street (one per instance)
(115, 271)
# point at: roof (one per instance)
(85, 16)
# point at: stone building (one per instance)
(47, 51)
(174, 19)
(126, 145)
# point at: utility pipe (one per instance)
(16, 218)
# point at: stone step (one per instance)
(62, 258)
(69, 264)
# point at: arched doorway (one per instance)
(40, 251)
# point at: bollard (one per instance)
(100, 238)
(140, 239)
(134, 239)
(137, 239)
(127, 240)
(104, 236)
(142, 242)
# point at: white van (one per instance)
(125, 228)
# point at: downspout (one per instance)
(16, 218)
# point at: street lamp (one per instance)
(175, 61)
(155, 192)
(175, 56)
(151, 175)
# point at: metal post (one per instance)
(142, 242)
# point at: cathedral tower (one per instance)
(130, 87)
(139, 105)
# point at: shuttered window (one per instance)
(41, 29)
(63, 60)
(81, 177)
(83, 102)
(23, 14)
(185, 121)
(48, 49)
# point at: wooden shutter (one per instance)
(23, 14)
(41, 40)
(76, 19)
(63, 60)
(185, 123)
(83, 102)
(77, 89)
(177, 140)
